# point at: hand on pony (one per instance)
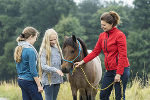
(77, 64)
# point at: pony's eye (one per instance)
(72, 51)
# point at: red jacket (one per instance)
(113, 44)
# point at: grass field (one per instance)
(133, 92)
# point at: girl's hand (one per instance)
(40, 89)
(60, 72)
(77, 64)
(117, 78)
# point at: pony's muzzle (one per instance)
(65, 70)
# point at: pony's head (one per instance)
(73, 50)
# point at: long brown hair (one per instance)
(27, 32)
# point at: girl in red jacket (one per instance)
(113, 43)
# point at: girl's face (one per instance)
(32, 39)
(53, 39)
(106, 26)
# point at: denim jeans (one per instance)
(108, 79)
(51, 91)
(29, 90)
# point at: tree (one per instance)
(8, 70)
(139, 51)
(10, 21)
(44, 14)
(69, 26)
(141, 14)
(86, 9)
(17, 14)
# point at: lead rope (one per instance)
(98, 89)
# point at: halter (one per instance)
(76, 57)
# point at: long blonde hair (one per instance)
(26, 33)
(46, 45)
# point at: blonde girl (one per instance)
(50, 56)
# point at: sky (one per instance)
(129, 2)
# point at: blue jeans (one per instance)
(108, 79)
(29, 90)
(51, 92)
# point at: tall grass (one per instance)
(135, 91)
(10, 91)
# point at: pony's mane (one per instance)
(83, 47)
(69, 41)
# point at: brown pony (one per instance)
(75, 50)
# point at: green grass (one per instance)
(133, 92)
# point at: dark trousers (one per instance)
(108, 79)
(51, 91)
(29, 90)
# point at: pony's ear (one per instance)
(74, 38)
(65, 38)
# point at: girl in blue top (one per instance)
(25, 56)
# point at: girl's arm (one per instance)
(95, 52)
(40, 88)
(44, 65)
(33, 70)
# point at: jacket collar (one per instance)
(112, 30)
(25, 44)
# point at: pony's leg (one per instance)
(74, 93)
(89, 93)
(82, 94)
(94, 92)
(89, 97)
(74, 97)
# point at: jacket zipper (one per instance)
(107, 51)
(117, 60)
(104, 43)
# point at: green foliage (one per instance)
(82, 20)
(69, 26)
(139, 51)
(44, 14)
(10, 7)
(17, 14)
(9, 22)
(86, 9)
(141, 14)
(8, 69)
